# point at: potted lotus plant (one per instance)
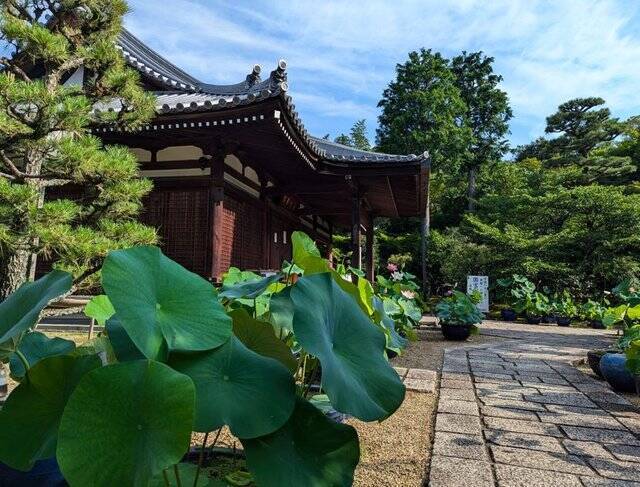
(564, 308)
(593, 312)
(459, 315)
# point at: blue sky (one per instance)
(341, 55)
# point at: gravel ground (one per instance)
(398, 449)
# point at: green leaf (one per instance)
(260, 337)
(633, 313)
(355, 374)
(281, 310)
(21, 309)
(394, 340)
(100, 309)
(187, 473)
(30, 418)
(249, 290)
(239, 478)
(125, 423)
(123, 347)
(303, 246)
(309, 450)
(235, 386)
(36, 346)
(158, 300)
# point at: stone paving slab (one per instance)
(460, 472)
(518, 413)
(511, 476)
(459, 423)
(459, 445)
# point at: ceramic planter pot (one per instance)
(594, 357)
(533, 319)
(597, 324)
(563, 321)
(614, 370)
(508, 314)
(456, 333)
(45, 473)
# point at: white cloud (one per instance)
(548, 51)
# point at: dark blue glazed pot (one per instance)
(45, 473)
(614, 370)
(508, 314)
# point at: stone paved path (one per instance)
(518, 413)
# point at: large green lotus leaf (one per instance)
(155, 298)
(123, 347)
(260, 337)
(22, 308)
(355, 374)
(125, 423)
(36, 346)
(100, 309)
(100, 345)
(309, 450)
(366, 294)
(250, 289)
(30, 418)
(235, 386)
(633, 313)
(395, 342)
(281, 310)
(303, 246)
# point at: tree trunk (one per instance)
(13, 272)
(472, 189)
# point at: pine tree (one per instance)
(582, 131)
(358, 135)
(46, 147)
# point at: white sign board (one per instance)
(481, 284)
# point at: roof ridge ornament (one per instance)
(253, 78)
(279, 75)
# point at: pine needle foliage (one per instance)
(65, 197)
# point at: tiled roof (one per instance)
(187, 94)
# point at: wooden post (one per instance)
(216, 199)
(370, 251)
(356, 259)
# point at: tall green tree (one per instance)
(46, 146)
(357, 137)
(487, 114)
(423, 110)
(580, 127)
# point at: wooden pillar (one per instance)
(356, 259)
(266, 231)
(216, 199)
(424, 239)
(370, 251)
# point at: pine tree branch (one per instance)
(56, 182)
(11, 166)
(53, 79)
(8, 176)
(14, 68)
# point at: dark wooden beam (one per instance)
(356, 259)
(393, 197)
(370, 249)
(216, 199)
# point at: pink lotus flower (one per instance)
(391, 267)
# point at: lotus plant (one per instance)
(177, 356)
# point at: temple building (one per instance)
(235, 172)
